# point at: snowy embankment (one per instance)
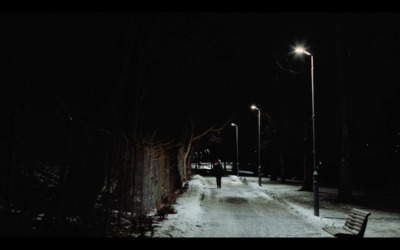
(193, 219)
(189, 212)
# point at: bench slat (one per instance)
(332, 230)
(361, 212)
(336, 231)
(357, 218)
(352, 230)
(356, 223)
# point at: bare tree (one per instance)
(185, 148)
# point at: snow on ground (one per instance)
(189, 212)
(194, 217)
(383, 221)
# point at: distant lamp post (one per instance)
(300, 50)
(196, 160)
(253, 107)
(208, 153)
(237, 147)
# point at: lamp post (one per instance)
(300, 50)
(209, 157)
(253, 107)
(196, 160)
(237, 148)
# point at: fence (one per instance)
(64, 167)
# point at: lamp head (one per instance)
(253, 107)
(301, 50)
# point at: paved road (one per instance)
(238, 210)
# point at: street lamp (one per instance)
(237, 147)
(300, 50)
(253, 107)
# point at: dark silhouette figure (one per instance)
(219, 172)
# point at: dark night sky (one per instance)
(245, 59)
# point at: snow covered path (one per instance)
(238, 209)
(244, 209)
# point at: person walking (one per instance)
(218, 172)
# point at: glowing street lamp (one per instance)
(237, 147)
(300, 50)
(253, 107)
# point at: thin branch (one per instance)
(211, 129)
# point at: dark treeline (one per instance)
(100, 115)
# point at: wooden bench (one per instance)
(354, 227)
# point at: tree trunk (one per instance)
(181, 163)
(345, 185)
(282, 167)
(274, 165)
(307, 180)
(345, 180)
(183, 160)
